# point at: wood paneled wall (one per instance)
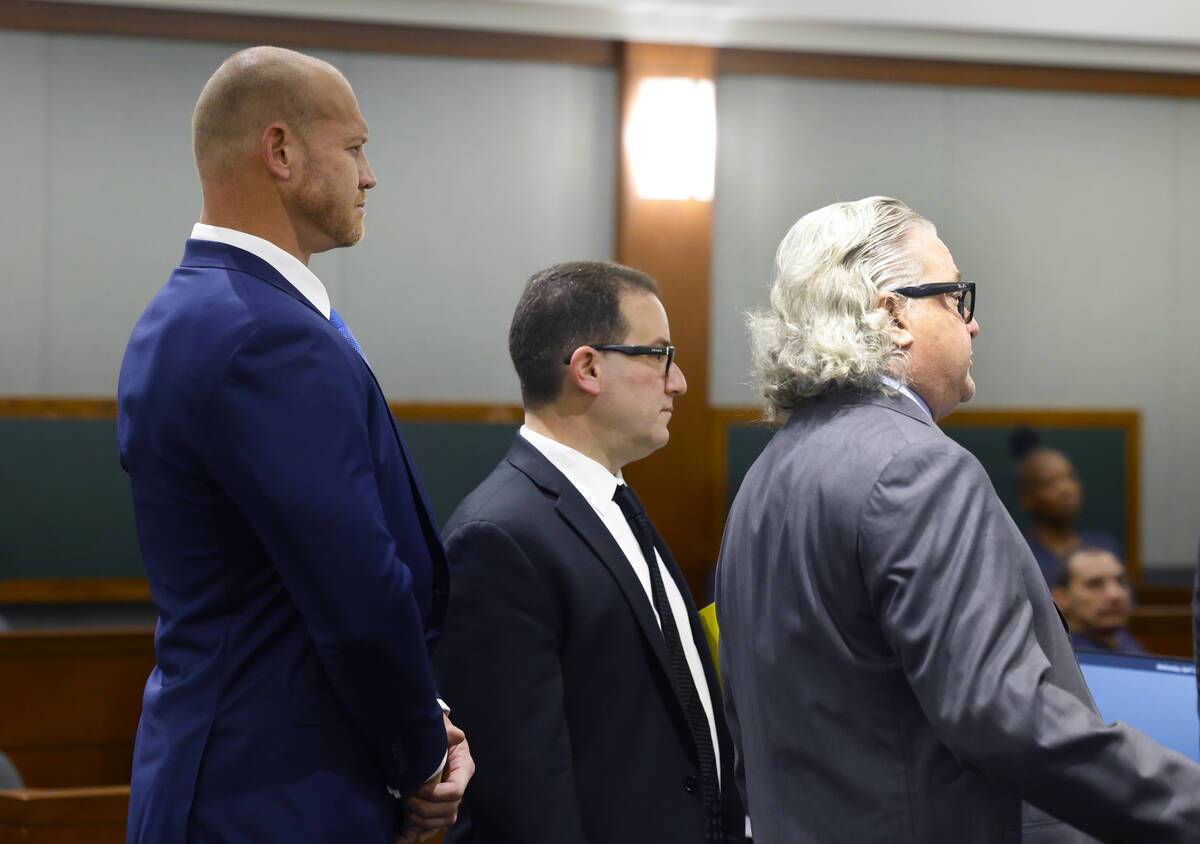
(93, 815)
(310, 32)
(671, 241)
(70, 703)
(683, 485)
(71, 700)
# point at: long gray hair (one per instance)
(825, 326)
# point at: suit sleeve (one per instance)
(943, 563)
(290, 445)
(498, 665)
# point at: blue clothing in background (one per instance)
(1048, 562)
(1126, 644)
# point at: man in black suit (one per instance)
(589, 719)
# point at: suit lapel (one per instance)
(575, 510)
(213, 254)
(577, 513)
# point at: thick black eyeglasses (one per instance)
(633, 351)
(965, 301)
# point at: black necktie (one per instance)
(685, 686)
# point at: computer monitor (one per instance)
(1155, 694)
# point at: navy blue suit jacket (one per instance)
(294, 562)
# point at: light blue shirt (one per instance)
(907, 391)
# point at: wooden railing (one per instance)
(64, 815)
(1163, 629)
(68, 717)
(71, 701)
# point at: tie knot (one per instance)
(628, 502)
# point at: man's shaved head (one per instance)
(250, 90)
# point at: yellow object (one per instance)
(708, 618)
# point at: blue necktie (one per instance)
(344, 330)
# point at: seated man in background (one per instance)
(1048, 488)
(1093, 592)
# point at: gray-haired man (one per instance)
(894, 668)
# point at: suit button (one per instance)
(690, 784)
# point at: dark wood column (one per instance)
(671, 241)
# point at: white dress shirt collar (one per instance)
(594, 482)
(286, 264)
(908, 391)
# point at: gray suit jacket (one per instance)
(894, 668)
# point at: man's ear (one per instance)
(897, 321)
(277, 146)
(584, 370)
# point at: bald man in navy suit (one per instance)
(293, 560)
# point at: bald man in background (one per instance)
(293, 559)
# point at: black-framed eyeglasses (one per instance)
(634, 351)
(965, 300)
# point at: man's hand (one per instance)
(434, 805)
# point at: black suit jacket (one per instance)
(555, 667)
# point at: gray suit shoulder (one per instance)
(862, 436)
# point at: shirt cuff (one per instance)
(440, 767)
(437, 771)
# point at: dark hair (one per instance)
(1062, 572)
(1025, 463)
(1023, 441)
(562, 308)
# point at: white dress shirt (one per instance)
(597, 485)
(311, 288)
